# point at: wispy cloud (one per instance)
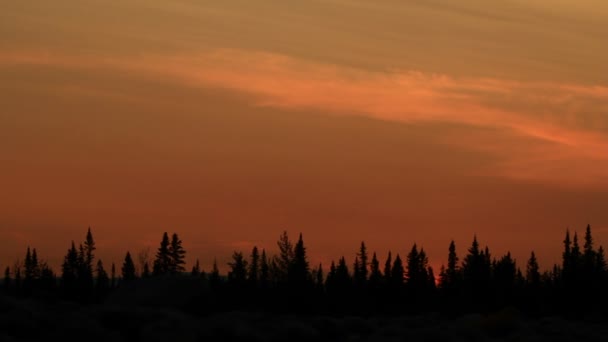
(556, 132)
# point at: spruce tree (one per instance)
(451, 273)
(254, 266)
(264, 271)
(28, 272)
(375, 275)
(177, 254)
(113, 276)
(214, 276)
(299, 271)
(196, 269)
(284, 260)
(600, 262)
(362, 271)
(89, 248)
(397, 272)
(388, 266)
(532, 272)
(238, 269)
(319, 277)
(145, 273)
(566, 258)
(102, 281)
(412, 272)
(35, 265)
(343, 280)
(128, 268)
(69, 269)
(162, 263)
(7, 280)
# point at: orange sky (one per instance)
(391, 121)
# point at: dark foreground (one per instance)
(30, 320)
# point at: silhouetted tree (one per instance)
(319, 281)
(214, 276)
(196, 269)
(145, 273)
(600, 262)
(162, 263)
(177, 255)
(69, 270)
(89, 249)
(505, 272)
(264, 271)
(299, 270)
(128, 268)
(388, 266)
(113, 276)
(397, 273)
(7, 280)
(238, 270)
(254, 266)
(361, 269)
(343, 281)
(451, 272)
(476, 276)
(102, 282)
(417, 272)
(532, 272)
(283, 261)
(375, 276)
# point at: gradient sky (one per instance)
(396, 122)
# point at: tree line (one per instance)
(285, 281)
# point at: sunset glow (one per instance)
(229, 123)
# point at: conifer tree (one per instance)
(566, 256)
(145, 273)
(361, 270)
(451, 272)
(69, 269)
(238, 269)
(375, 276)
(196, 269)
(102, 282)
(284, 260)
(412, 272)
(89, 249)
(600, 262)
(588, 246)
(319, 277)
(128, 268)
(397, 272)
(7, 279)
(264, 270)
(342, 279)
(162, 263)
(177, 254)
(532, 272)
(299, 271)
(576, 251)
(28, 272)
(214, 277)
(113, 276)
(36, 265)
(18, 280)
(356, 270)
(431, 283)
(388, 267)
(254, 266)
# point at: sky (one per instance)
(228, 122)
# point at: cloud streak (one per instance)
(546, 131)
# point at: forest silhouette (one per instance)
(285, 282)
